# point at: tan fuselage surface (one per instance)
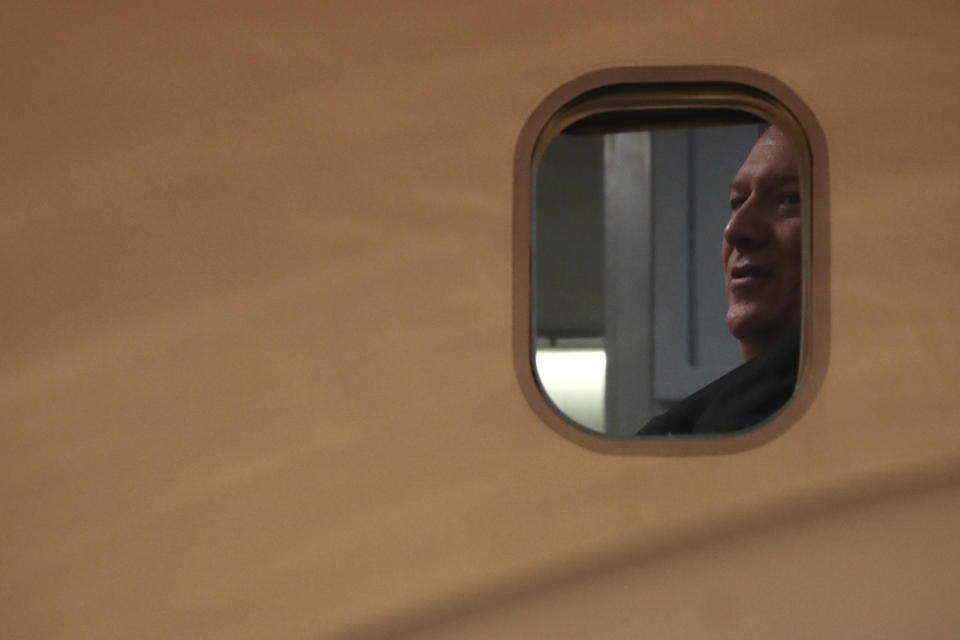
(256, 374)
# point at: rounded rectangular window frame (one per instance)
(657, 94)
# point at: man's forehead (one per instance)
(770, 161)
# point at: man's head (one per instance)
(761, 246)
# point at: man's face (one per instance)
(761, 246)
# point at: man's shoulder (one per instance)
(744, 397)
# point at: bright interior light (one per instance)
(573, 379)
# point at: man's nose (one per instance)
(747, 228)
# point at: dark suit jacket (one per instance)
(746, 396)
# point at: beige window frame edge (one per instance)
(680, 87)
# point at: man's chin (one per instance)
(744, 320)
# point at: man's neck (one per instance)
(757, 344)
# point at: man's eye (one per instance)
(736, 203)
(790, 198)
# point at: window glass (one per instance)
(667, 266)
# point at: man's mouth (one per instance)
(749, 274)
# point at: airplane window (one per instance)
(667, 257)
